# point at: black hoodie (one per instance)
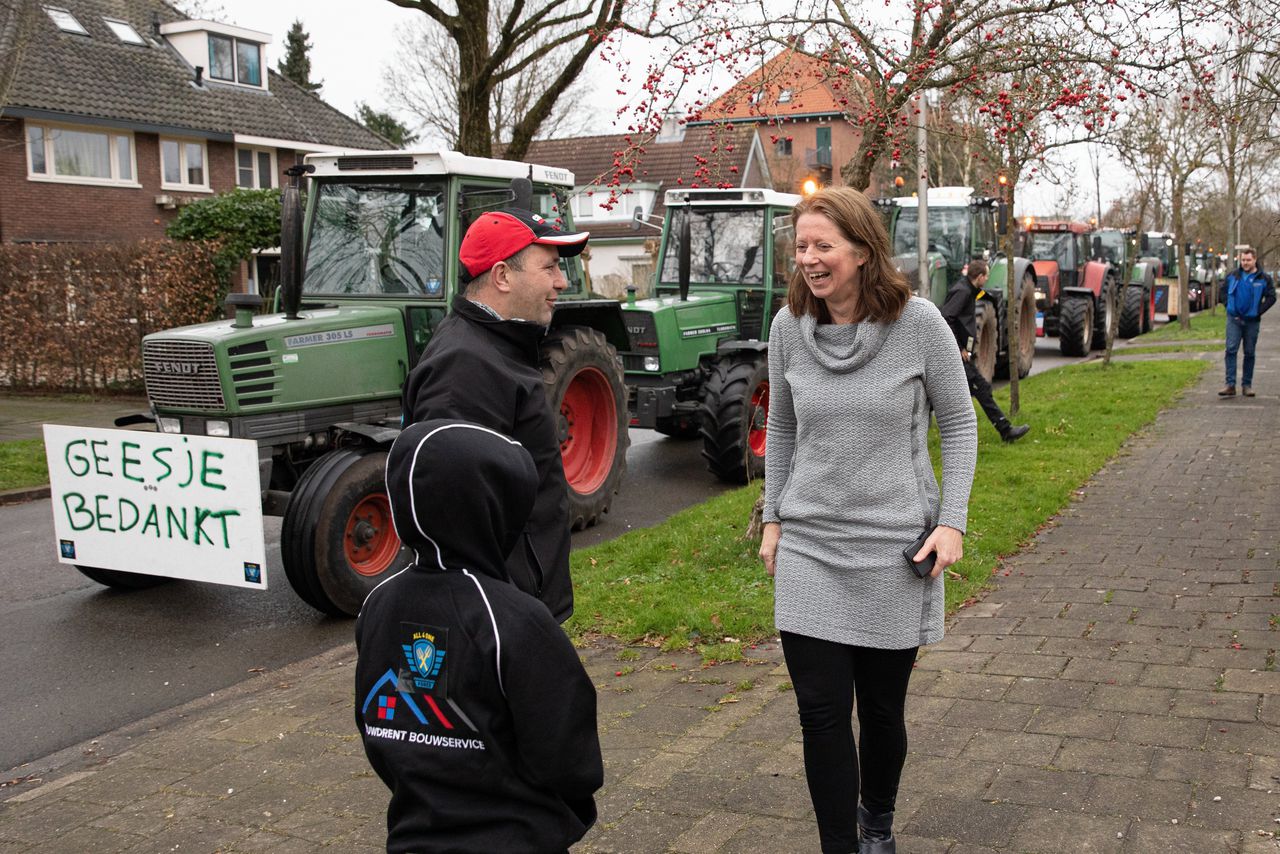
(472, 704)
(481, 369)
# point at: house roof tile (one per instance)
(812, 89)
(100, 77)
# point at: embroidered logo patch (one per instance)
(425, 653)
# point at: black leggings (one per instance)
(826, 677)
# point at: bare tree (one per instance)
(423, 82)
(497, 43)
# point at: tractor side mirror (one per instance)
(1097, 247)
(1143, 242)
(1002, 218)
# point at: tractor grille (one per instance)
(253, 377)
(182, 374)
(644, 339)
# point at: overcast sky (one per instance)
(353, 40)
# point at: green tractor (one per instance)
(964, 226)
(318, 385)
(1119, 248)
(698, 361)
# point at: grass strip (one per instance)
(1203, 325)
(1140, 350)
(22, 464)
(694, 580)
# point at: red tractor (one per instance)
(1071, 286)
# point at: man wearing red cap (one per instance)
(482, 365)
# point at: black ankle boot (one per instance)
(1011, 432)
(875, 832)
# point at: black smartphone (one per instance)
(924, 567)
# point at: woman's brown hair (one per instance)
(882, 290)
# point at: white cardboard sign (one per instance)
(157, 504)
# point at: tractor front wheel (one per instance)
(735, 417)
(1075, 326)
(1103, 314)
(585, 387)
(987, 347)
(337, 541)
(1132, 313)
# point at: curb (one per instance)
(23, 495)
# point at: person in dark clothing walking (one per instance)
(1250, 292)
(959, 310)
(481, 365)
(470, 700)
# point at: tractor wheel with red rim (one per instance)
(735, 418)
(337, 541)
(583, 379)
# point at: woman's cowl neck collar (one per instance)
(841, 348)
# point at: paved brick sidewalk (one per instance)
(1117, 692)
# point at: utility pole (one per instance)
(922, 193)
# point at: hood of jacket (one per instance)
(841, 348)
(460, 494)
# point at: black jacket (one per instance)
(959, 310)
(484, 370)
(472, 704)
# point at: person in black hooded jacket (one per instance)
(473, 706)
(482, 365)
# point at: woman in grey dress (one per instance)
(856, 367)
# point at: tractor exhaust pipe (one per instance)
(683, 257)
(291, 241)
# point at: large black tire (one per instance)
(337, 541)
(735, 416)
(121, 580)
(1132, 313)
(1148, 310)
(987, 348)
(1021, 343)
(585, 388)
(1075, 326)
(1102, 314)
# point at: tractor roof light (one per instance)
(809, 187)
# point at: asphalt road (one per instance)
(80, 660)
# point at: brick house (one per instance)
(121, 111)
(620, 253)
(800, 110)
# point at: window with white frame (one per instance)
(256, 168)
(66, 21)
(235, 60)
(79, 155)
(124, 31)
(784, 97)
(593, 207)
(182, 165)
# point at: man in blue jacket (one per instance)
(1250, 292)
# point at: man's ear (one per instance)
(500, 277)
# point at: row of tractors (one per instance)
(370, 268)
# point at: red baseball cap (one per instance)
(497, 235)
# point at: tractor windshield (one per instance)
(1050, 246)
(948, 233)
(1112, 247)
(726, 246)
(376, 239)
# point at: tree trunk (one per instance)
(1011, 311)
(475, 83)
(1177, 188)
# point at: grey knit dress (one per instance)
(848, 475)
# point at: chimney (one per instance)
(672, 127)
(199, 75)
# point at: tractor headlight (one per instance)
(217, 428)
(169, 425)
(651, 363)
(1039, 294)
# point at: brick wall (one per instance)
(46, 211)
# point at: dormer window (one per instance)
(234, 60)
(66, 21)
(125, 32)
(784, 97)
